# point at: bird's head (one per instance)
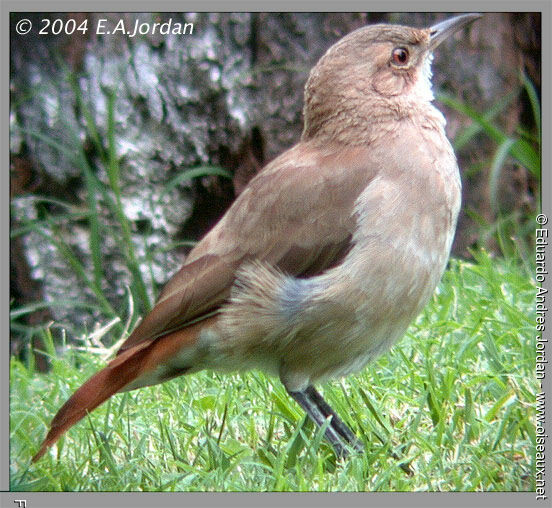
(375, 70)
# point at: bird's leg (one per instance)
(318, 410)
(318, 417)
(339, 426)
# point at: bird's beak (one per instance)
(441, 31)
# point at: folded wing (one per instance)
(296, 214)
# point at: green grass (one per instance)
(455, 398)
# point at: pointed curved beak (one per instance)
(439, 32)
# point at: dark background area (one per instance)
(229, 96)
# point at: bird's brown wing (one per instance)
(296, 214)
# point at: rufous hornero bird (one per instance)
(331, 250)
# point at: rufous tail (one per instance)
(146, 363)
(91, 394)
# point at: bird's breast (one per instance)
(333, 323)
(405, 224)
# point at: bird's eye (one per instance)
(400, 56)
